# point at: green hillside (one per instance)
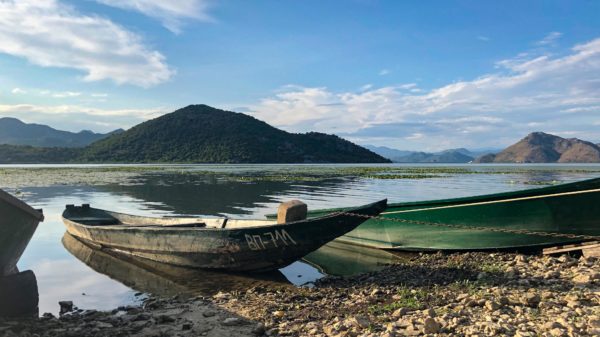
(25, 154)
(202, 134)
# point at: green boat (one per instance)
(568, 209)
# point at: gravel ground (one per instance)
(467, 294)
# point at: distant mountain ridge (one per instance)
(540, 147)
(15, 132)
(202, 134)
(459, 155)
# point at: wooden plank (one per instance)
(593, 251)
(590, 245)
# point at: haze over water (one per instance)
(245, 191)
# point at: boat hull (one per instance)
(18, 222)
(259, 248)
(566, 209)
(165, 279)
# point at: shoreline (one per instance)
(461, 294)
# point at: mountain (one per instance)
(202, 134)
(15, 132)
(448, 156)
(387, 152)
(459, 155)
(539, 147)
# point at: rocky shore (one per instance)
(469, 294)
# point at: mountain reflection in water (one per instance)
(163, 279)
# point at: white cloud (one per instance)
(549, 39)
(384, 72)
(18, 91)
(76, 117)
(483, 38)
(7, 109)
(66, 94)
(49, 33)
(562, 92)
(170, 13)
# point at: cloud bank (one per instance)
(49, 33)
(559, 94)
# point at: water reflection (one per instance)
(166, 280)
(337, 258)
(214, 195)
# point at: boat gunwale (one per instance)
(330, 215)
(475, 198)
(20, 204)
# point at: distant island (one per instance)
(194, 134)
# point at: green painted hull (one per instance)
(572, 208)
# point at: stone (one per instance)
(103, 325)
(231, 321)
(582, 279)
(289, 211)
(278, 313)
(209, 313)
(557, 332)
(398, 313)
(531, 300)
(163, 319)
(492, 306)
(222, 296)
(186, 326)
(376, 292)
(430, 325)
(65, 306)
(259, 329)
(360, 321)
(430, 313)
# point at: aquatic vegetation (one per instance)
(30, 176)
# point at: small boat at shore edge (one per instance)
(572, 208)
(18, 222)
(212, 243)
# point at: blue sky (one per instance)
(418, 75)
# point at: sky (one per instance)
(412, 75)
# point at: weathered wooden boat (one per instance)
(163, 279)
(18, 222)
(567, 209)
(212, 243)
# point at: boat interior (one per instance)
(89, 216)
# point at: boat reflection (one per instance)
(19, 295)
(342, 259)
(163, 279)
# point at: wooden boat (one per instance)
(572, 208)
(18, 222)
(163, 279)
(212, 243)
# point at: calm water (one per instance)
(68, 270)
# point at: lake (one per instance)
(68, 270)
